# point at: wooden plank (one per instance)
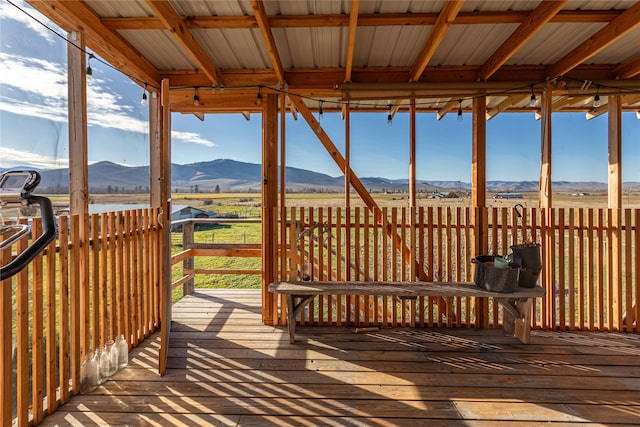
(351, 41)
(582, 271)
(611, 32)
(395, 288)
(439, 30)
(138, 268)
(628, 273)
(74, 300)
(127, 259)
(95, 282)
(6, 343)
(63, 301)
(411, 376)
(146, 273)
(37, 328)
(104, 284)
(124, 282)
(591, 263)
(561, 279)
(534, 21)
(113, 268)
(366, 262)
(52, 326)
(599, 293)
(22, 337)
(571, 282)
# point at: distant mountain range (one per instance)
(227, 176)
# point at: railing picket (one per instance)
(22, 316)
(561, 271)
(339, 265)
(600, 295)
(571, 281)
(37, 325)
(52, 326)
(5, 343)
(74, 300)
(628, 273)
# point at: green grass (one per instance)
(221, 233)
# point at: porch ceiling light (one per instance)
(196, 98)
(596, 98)
(459, 110)
(534, 100)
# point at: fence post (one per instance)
(187, 264)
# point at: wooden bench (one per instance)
(518, 305)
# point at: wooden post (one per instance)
(79, 174)
(155, 148)
(187, 264)
(615, 204)
(479, 193)
(545, 161)
(412, 155)
(545, 202)
(269, 202)
(347, 156)
(161, 179)
(6, 334)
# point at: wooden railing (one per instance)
(192, 249)
(591, 261)
(76, 296)
(98, 280)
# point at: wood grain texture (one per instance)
(227, 368)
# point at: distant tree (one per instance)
(217, 190)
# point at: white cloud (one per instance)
(12, 157)
(191, 137)
(8, 11)
(38, 88)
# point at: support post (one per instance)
(188, 264)
(545, 202)
(412, 154)
(347, 156)
(269, 202)
(545, 149)
(615, 204)
(78, 202)
(161, 179)
(479, 192)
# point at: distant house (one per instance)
(508, 196)
(179, 212)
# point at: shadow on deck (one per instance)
(226, 368)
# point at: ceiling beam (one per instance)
(449, 106)
(525, 31)
(613, 31)
(106, 43)
(505, 105)
(267, 36)
(351, 43)
(365, 20)
(628, 69)
(174, 23)
(444, 21)
(326, 79)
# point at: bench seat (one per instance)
(518, 304)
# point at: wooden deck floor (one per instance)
(227, 369)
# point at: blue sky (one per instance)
(33, 129)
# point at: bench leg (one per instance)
(292, 311)
(291, 318)
(522, 325)
(517, 317)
